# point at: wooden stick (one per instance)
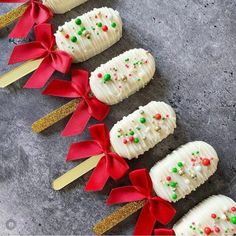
(117, 216)
(55, 116)
(19, 72)
(11, 16)
(76, 172)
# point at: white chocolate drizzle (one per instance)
(214, 216)
(142, 129)
(127, 73)
(62, 6)
(184, 170)
(90, 34)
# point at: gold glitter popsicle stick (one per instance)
(11, 16)
(19, 72)
(76, 172)
(117, 216)
(55, 116)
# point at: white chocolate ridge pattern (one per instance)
(90, 34)
(122, 76)
(184, 170)
(142, 129)
(62, 6)
(214, 216)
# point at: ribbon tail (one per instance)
(41, 75)
(167, 232)
(23, 26)
(145, 223)
(98, 178)
(78, 121)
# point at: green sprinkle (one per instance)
(142, 120)
(78, 21)
(82, 28)
(180, 164)
(174, 196)
(173, 184)
(99, 24)
(131, 132)
(80, 32)
(190, 226)
(113, 24)
(136, 140)
(127, 59)
(197, 152)
(174, 170)
(106, 78)
(233, 220)
(73, 39)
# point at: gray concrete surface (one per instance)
(194, 45)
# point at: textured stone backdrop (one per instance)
(193, 42)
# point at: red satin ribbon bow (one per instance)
(155, 208)
(88, 107)
(110, 165)
(43, 47)
(167, 232)
(35, 13)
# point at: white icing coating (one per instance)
(129, 72)
(199, 161)
(199, 219)
(94, 32)
(145, 135)
(62, 6)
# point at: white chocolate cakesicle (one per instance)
(142, 129)
(214, 216)
(122, 76)
(62, 6)
(90, 34)
(182, 171)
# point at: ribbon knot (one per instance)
(35, 13)
(89, 106)
(155, 208)
(110, 165)
(42, 47)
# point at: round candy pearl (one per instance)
(217, 229)
(207, 230)
(213, 215)
(158, 116)
(142, 120)
(113, 24)
(131, 138)
(78, 21)
(105, 28)
(136, 140)
(125, 141)
(99, 75)
(206, 162)
(233, 220)
(174, 196)
(168, 178)
(73, 39)
(107, 77)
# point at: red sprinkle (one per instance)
(233, 209)
(99, 75)
(105, 28)
(213, 215)
(125, 141)
(67, 36)
(207, 230)
(131, 138)
(206, 162)
(158, 116)
(217, 229)
(168, 178)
